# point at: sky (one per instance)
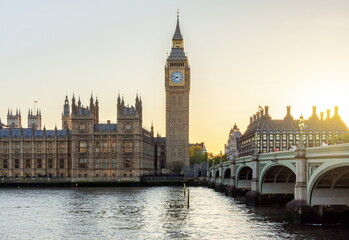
(242, 54)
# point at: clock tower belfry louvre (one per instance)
(177, 85)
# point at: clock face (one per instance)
(176, 77)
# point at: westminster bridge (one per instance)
(314, 182)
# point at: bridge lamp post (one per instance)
(301, 125)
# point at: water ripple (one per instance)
(140, 213)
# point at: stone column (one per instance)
(298, 209)
(231, 190)
(253, 196)
(300, 189)
(233, 174)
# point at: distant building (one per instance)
(231, 149)
(265, 134)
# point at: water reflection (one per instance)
(142, 213)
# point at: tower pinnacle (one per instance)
(177, 35)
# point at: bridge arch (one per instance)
(244, 177)
(226, 176)
(277, 179)
(329, 184)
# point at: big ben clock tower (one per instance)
(177, 85)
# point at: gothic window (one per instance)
(97, 146)
(50, 163)
(174, 100)
(38, 163)
(128, 146)
(127, 163)
(16, 163)
(113, 163)
(106, 163)
(113, 146)
(5, 164)
(98, 163)
(105, 147)
(128, 128)
(16, 147)
(82, 146)
(82, 163)
(38, 147)
(180, 100)
(27, 163)
(61, 163)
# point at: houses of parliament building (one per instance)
(84, 148)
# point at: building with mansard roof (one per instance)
(265, 134)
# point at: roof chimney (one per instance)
(335, 110)
(251, 119)
(328, 114)
(314, 115)
(288, 112)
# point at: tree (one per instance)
(197, 155)
(215, 159)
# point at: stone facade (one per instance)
(231, 149)
(177, 85)
(88, 149)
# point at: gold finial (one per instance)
(177, 13)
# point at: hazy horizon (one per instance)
(242, 54)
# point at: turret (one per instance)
(66, 117)
(34, 119)
(66, 107)
(14, 121)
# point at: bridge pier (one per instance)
(298, 209)
(253, 196)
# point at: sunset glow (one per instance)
(242, 54)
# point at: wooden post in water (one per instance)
(188, 198)
(184, 189)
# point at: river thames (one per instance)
(144, 213)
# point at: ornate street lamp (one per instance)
(301, 127)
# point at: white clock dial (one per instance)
(176, 77)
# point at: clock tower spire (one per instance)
(177, 86)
